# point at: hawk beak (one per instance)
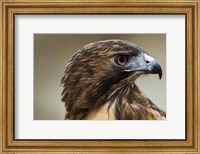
(153, 67)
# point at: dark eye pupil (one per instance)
(122, 60)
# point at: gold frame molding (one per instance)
(10, 8)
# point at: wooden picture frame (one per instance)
(9, 9)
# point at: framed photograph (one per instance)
(99, 76)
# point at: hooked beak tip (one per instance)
(160, 75)
(155, 68)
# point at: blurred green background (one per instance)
(52, 51)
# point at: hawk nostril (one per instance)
(147, 61)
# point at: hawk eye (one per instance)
(121, 60)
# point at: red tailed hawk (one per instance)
(99, 83)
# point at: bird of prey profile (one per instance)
(99, 83)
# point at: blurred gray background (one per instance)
(52, 51)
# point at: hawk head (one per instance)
(100, 72)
